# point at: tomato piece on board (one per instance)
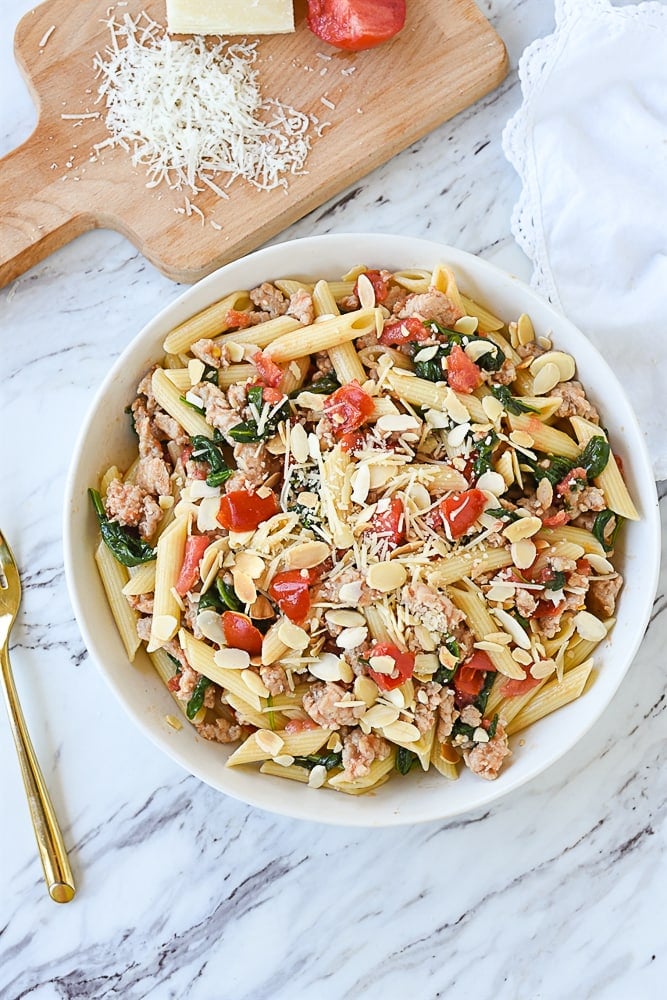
(355, 24)
(390, 523)
(404, 331)
(270, 373)
(348, 408)
(463, 375)
(195, 546)
(241, 510)
(404, 665)
(513, 688)
(291, 591)
(380, 286)
(240, 633)
(461, 510)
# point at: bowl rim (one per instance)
(305, 806)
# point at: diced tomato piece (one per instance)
(467, 683)
(461, 510)
(351, 441)
(569, 481)
(390, 523)
(174, 683)
(299, 725)
(272, 396)
(270, 373)
(463, 375)
(355, 24)
(583, 567)
(237, 320)
(512, 688)
(241, 510)
(380, 286)
(404, 665)
(195, 546)
(479, 661)
(348, 408)
(240, 633)
(291, 591)
(547, 609)
(404, 331)
(558, 520)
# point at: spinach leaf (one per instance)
(323, 386)
(431, 370)
(405, 760)
(197, 699)
(208, 450)
(557, 581)
(513, 404)
(484, 453)
(248, 431)
(606, 527)
(494, 725)
(491, 361)
(210, 374)
(595, 456)
(329, 760)
(509, 516)
(227, 595)
(462, 729)
(193, 406)
(443, 674)
(556, 469)
(124, 543)
(483, 696)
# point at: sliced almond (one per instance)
(458, 434)
(298, 440)
(244, 585)
(455, 408)
(311, 401)
(525, 527)
(386, 576)
(467, 325)
(209, 623)
(564, 362)
(361, 483)
(489, 647)
(477, 349)
(196, 369)
(420, 496)
(426, 663)
(382, 664)
(426, 353)
(491, 482)
(398, 423)
(351, 638)
(254, 683)
(349, 593)
(292, 635)
(542, 669)
(380, 716)
(512, 626)
(344, 618)
(425, 638)
(523, 553)
(248, 562)
(500, 592)
(401, 732)
(163, 627)
(366, 690)
(365, 292)
(546, 379)
(545, 492)
(522, 657)
(525, 330)
(589, 627)
(269, 742)
(307, 555)
(318, 774)
(522, 439)
(231, 659)
(480, 735)
(599, 563)
(493, 408)
(381, 474)
(327, 667)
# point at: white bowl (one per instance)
(106, 438)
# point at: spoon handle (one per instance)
(55, 862)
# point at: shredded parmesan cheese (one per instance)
(189, 112)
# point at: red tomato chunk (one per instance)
(463, 375)
(390, 524)
(404, 331)
(291, 591)
(241, 510)
(461, 510)
(195, 546)
(348, 408)
(355, 24)
(270, 373)
(404, 665)
(380, 286)
(240, 633)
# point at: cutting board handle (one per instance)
(38, 211)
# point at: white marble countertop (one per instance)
(558, 890)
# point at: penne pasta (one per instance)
(114, 577)
(419, 392)
(166, 609)
(323, 335)
(481, 624)
(142, 580)
(205, 324)
(472, 563)
(610, 480)
(552, 696)
(544, 438)
(295, 744)
(169, 398)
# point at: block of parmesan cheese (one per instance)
(229, 17)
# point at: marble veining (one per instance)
(556, 891)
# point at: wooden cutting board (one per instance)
(446, 57)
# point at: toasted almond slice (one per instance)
(382, 664)
(311, 401)
(255, 683)
(563, 362)
(467, 325)
(502, 637)
(318, 774)
(196, 369)
(349, 593)
(344, 617)
(394, 697)
(480, 735)
(327, 667)
(489, 647)
(361, 483)
(426, 353)
(381, 474)
(512, 626)
(232, 659)
(589, 627)
(524, 329)
(292, 635)
(306, 555)
(493, 408)
(543, 668)
(545, 492)
(491, 482)
(248, 562)
(599, 563)
(522, 657)
(397, 423)
(546, 379)
(381, 715)
(525, 527)
(284, 759)
(365, 292)
(269, 742)
(276, 445)
(299, 443)
(523, 553)
(425, 638)
(401, 732)
(164, 627)
(455, 408)
(209, 623)
(458, 434)
(420, 496)
(172, 721)
(350, 638)
(386, 576)
(244, 585)
(477, 349)
(426, 663)
(500, 592)
(308, 499)
(522, 439)
(365, 689)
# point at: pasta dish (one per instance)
(370, 527)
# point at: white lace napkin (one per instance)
(590, 145)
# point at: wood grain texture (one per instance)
(446, 57)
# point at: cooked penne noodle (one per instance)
(109, 476)
(200, 656)
(273, 648)
(580, 649)
(378, 772)
(142, 580)
(472, 563)
(552, 696)
(447, 768)
(443, 279)
(573, 536)
(324, 335)
(234, 374)
(419, 392)
(545, 438)
(288, 286)
(481, 624)
(246, 713)
(166, 609)
(169, 398)
(488, 323)
(166, 669)
(205, 324)
(114, 577)
(291, 771)
(414, 279)
(295, 375)
(180, 377)
(610, 480)
(295, 744)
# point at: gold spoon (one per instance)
(55, 862)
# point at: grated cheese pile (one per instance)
(189, 112)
